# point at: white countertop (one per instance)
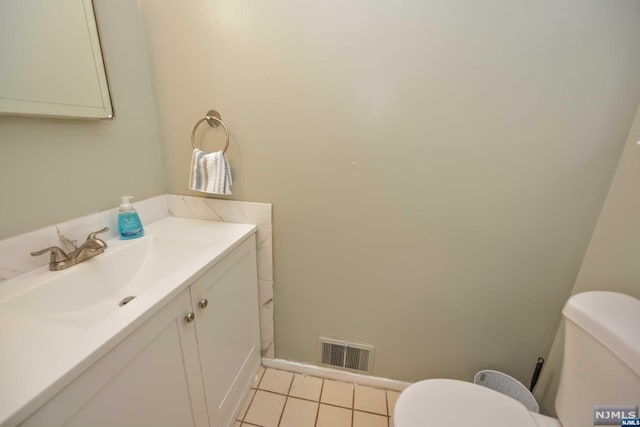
(39, 357)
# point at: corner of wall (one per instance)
(610, 261)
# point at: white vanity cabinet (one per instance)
(225, 299)
(190, 364)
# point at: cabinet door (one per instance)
(228, 331)
(151, 378)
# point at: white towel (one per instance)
(210, 173)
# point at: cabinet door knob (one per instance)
(203, 303)
(189, 317)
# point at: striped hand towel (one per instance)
(210, 173)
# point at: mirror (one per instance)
(50, 60)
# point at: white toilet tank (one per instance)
(601, 365)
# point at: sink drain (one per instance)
(126, 300)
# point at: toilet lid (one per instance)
(444, 403)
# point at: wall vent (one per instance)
(346, 355)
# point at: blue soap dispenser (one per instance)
(129, 224)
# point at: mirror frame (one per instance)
(53, 104)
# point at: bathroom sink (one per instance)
(91, 292)
(76, 316)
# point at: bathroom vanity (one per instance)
(182, 352)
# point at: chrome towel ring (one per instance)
(214, 120)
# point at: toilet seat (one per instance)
(443, 402)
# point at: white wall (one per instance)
(612, 259)
(436, 167)
(52, 170)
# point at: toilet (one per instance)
(601, 367)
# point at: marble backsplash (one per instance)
(245, 213)
(15, 258)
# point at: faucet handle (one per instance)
(93, 242)
(92, 236)
(57, 254)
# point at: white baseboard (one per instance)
(334, 374)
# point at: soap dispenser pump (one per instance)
(129, 224)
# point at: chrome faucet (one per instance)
(90, 248)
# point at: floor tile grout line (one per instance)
(381, 414)
(318, 410)
(321, 402)
(311, 400)
(377, 387)
(286, 399)
(249, 405)
(255, 390)
(369, 413)
(353, 405)
(386, 400)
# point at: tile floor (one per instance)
(284, 399)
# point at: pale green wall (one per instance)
(53, 170)
(484, 137)
(436, 167)
(612, 259)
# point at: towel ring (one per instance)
(214, 120)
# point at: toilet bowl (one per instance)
(442, 402)
(601, 366)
